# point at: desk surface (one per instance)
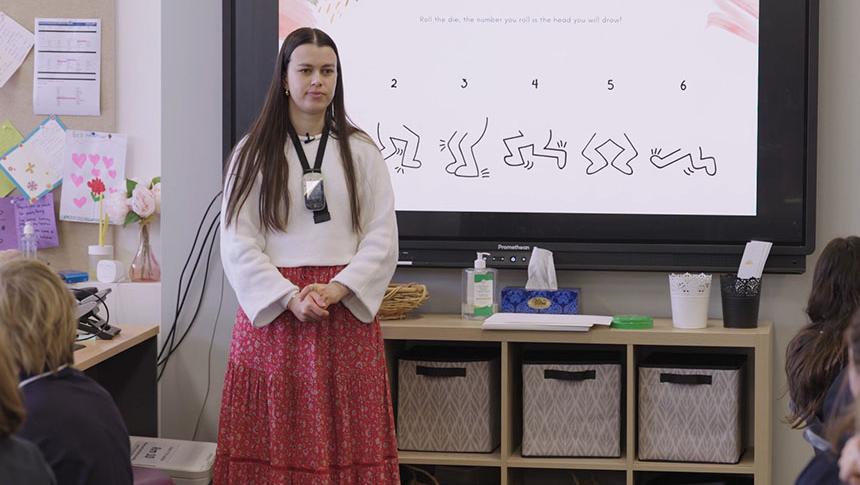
(96, 351)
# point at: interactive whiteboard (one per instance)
(553, 106)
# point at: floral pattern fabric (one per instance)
(307, 403)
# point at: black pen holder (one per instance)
(740, 297)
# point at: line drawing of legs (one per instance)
(382, 147)
(451, 167)
(463, 167)
(508, 158)
(399, 147)
(414, 163)
(710, 164)
(625, 167)
(661, 161)
(591, 170)
(561, 160)
(528, 156)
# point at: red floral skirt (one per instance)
(306, 403)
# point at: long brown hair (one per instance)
(11, 407)
(817, 354)
(846, 424)
(263, 155)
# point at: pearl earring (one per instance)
(287, 91)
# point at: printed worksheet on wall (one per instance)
(67, 69)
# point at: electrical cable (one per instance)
(175, 325)
(174, 348)
(168, 341)
(209, 360)
(202, 291)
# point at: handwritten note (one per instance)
(8, 225)
(41, 214)
(36, 164)
(17, 211)
(15, 44)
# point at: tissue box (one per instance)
(521, 300)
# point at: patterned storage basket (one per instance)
(448, 400)
(690, 408)
(571, 404)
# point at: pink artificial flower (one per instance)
(156, 191)
(116, 206)
(142, 201)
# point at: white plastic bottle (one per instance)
(479, 290)
(28, 241)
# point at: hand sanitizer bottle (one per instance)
(479, 290)
(28, 241)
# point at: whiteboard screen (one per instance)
(554, 106)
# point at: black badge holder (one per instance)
(312, 178)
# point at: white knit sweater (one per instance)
(251, 257)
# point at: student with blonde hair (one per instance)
(72, 419)
(20, 460)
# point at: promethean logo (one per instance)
(513, 247)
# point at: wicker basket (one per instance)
(400, 299)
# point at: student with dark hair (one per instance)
(816, 357)
(849, 461)
(72, 419)
(20, 461)
(309, 245)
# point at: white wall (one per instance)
(191, 150)
(138, 89)
(191, 138)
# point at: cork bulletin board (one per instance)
(16, 105)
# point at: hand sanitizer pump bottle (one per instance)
(28, 243)
(479, 290)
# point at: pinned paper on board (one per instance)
(94, 168)
(15, 44)
(9, 137)
(35, 165)
(40, 213)
(17, 211)
(8, 230)
(67, 68)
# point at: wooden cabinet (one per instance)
(756, 344)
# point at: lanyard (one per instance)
(300, 152)
(40, 376)
(312, 178)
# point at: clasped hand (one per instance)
(312, 302)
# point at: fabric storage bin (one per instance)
(697, 479)
(690, 408)
(571, 404)
(448, 399)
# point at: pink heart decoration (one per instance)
(80, 201)
(77, 179)
(112, 190)
(112, 173)
(94, 159)
(80, 159)
(96, 172)
(107, 161)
